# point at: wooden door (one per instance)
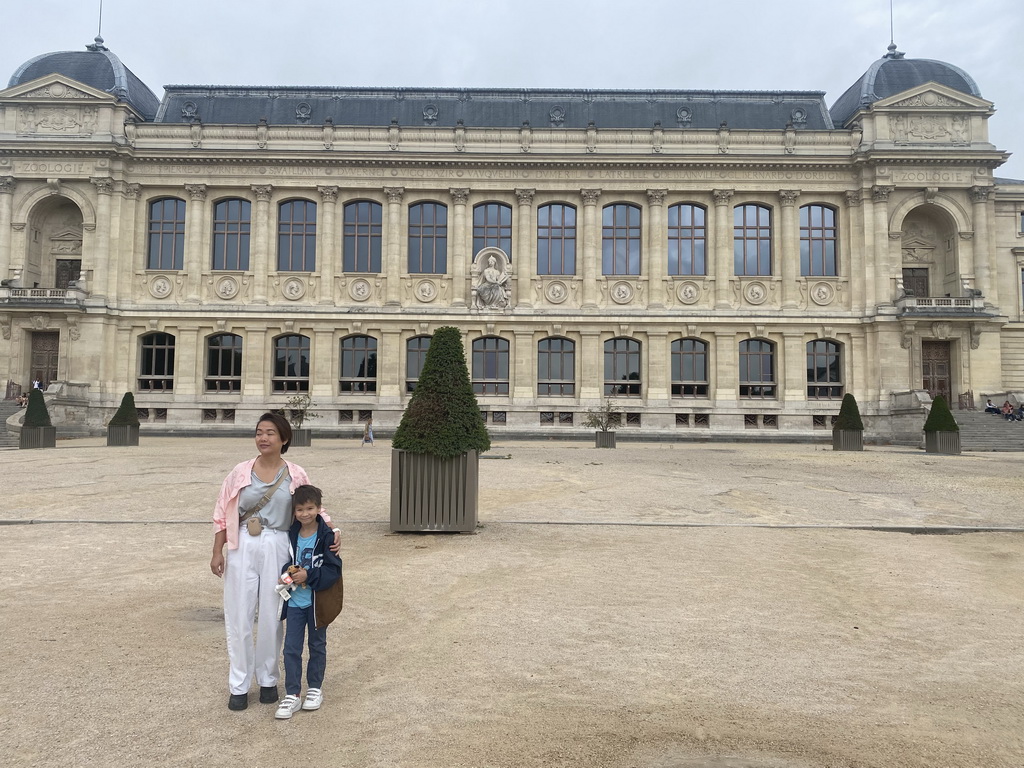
(45, 351)
(915, 281)
(936, 368)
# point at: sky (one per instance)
(817, 45)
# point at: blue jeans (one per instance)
(298, 621)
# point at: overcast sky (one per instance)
(821, 45)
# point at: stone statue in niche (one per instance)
(491, 290)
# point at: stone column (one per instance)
(390, 368)
(788, 260)
(524, 264)
(458, 236)
(882, 265)
(120, 271)
(328, 250)
(260, 263)
(723, 248)
(524, 368)
(591, 249)
(726, 357)
(851, 250)
(657, 248)
(7, 184)
(591, 385)
(258, 363)
(96, 263)
(658, 385)
(393, 259)
(196, 223)
(324, 374)
(187, 361)
(983, 262)
(792, 367)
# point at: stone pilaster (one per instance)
(7, 185)
(723, 247)
(851, 248)
(195, 264)
(393, 256)
(524, 264)
(328, 248)
(883, 266)
(658, 357)
(657, 247)
(457, 237)
(787, 262)
(591, 357)
(261, 256)
(591, 247)
(96, 263)
(983, 265)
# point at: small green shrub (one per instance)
(126, 415)
(300, 409)
(443, 418)
(36, 414)
(849, 415)
(940, 419)
(604, 419)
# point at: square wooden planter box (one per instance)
(604, 439)
(942, 442)
(301, 438)
(122, 435)
(38, 437)
(432, 494)
(847, 440)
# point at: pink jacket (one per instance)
(225, 513)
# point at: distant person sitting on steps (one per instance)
(1007, 411)
(991, 407)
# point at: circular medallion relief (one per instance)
(227, 287)
(360, 290)
(160, 287)
(822, 293)
(622, 293)
(426, 290)
(556, 292)
(293, 289)
(688, 293)
(756, 293)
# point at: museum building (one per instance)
(713, 263)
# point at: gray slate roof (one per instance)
(96, 67)
(894, 74)
(494, 108)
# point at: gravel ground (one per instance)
(655, 606)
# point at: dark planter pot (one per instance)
(301, 438)
(38, 437)
(432, 494)
(122, 434)
(942, 442)
(847, 440)
(604, 439)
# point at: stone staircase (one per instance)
(7, 439)
(980, 431)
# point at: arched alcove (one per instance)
(930, 253)
(53, 251)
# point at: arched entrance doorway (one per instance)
(54, 253)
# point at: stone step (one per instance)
(980, 431)
(7, 409)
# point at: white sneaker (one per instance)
(289, 706)
(314, 698)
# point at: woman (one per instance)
(260, 490)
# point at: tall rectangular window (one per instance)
(428, 239)
(556, 240)
(231, 224)
(291, 364)
(757, 369)
(224, 363)
(556, 367)
(686, 240)
(296, 236)
(156, 362)
(415, 355)
(818, 241)
(362, 237)
(824, 372)
(622, 368)
(490, 366)
(752, 240)
(166, 234)
(689, 368)
(358, 365)
(492, 227)
(620, 240)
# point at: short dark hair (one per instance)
(307, 493)
(284, 429)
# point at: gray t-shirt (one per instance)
(278, 511)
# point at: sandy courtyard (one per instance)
(654, 606)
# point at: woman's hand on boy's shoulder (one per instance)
(336, 546)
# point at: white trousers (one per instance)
(250, 574)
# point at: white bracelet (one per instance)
(337, 530)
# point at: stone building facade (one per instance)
(712, 263)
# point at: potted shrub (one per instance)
(36, 429)
(123, 429)
(436, 448)
(941, 432)
(604, 419)
(848, 431)
(298, 412)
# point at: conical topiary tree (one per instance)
(127, 415)
(36, 414)
(940, 419)
(443, 418)
(849, 415)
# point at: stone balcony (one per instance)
(41, 297)
(957, 306)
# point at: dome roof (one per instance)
(97, 67)
(894, 74)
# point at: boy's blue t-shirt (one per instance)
(303, 597)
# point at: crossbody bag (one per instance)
(253, 524)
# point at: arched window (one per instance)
(556, 367)
(752, 240)
(415, 355)
(296, 236)
(622, 368)
(824, 370)
(291, 363)
(818, 241)
(689, 368)
(556, 239)
(490, 366)
(686, 240)
(620, 239)
(166, 234)
(362, 237)
(428, 239)
(224, 363)
(492, 226)
(358, 365)
(156, 362)
(231, 224)
(757, 369)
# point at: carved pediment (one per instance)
(933, 96)
(66, 243)
(55, 88)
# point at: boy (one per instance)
(313, 569)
